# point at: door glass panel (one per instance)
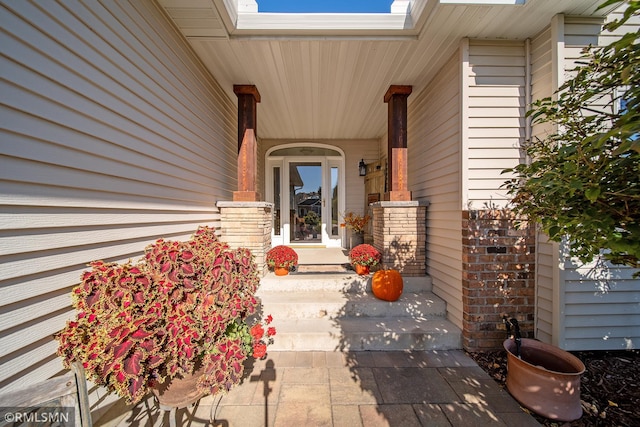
(305, 190)
(334, 202)
(277, 222)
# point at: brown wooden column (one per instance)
(396, 97)
(248, 97)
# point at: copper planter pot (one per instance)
(362, 270)
(179, 392)
(281, 271)
(545, 380)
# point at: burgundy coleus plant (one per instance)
(181, 308)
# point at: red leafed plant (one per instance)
(184, 306)
(282, 256)
(365, 254)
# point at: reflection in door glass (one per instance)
(305, 184)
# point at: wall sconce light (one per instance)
(362, 167)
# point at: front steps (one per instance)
(337, 311)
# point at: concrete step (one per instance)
(366, 334)
(338, 281)
(316, 304)
(337, 311)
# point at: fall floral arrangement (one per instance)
(185, 307)
(365, 254)
(282, 256)
(357, 223)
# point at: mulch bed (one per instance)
(609, 389)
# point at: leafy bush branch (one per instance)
(582, 180)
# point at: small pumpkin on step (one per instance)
(387, 284)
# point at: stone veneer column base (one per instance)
(498, 276)
(400, 234)
(247, 225)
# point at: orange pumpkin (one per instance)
(387, 285)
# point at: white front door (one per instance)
(308, 196)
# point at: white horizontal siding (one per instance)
(632, 25)
(547, 274)
(542, 69)
(541, 65)
(112, 134)
(578, 34)
(355, 199)
(434, 175)
(601, 307)
(494, 89)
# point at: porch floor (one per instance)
(395, 388)
(310, 258)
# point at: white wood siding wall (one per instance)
(354, 150)
(494, 87)
(543, 81)
(434, 137)
(579, 307)
(601, 309)
(112, 135)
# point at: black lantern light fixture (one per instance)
(362, 167)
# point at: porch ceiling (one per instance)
(329, 83)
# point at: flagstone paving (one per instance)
(377, 388)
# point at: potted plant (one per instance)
(184, 309)
(312, 220)
(363, 257)
(281, 259)
(356, 224)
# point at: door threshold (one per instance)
(323, 269)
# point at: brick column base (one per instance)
(498, 277)
(400, 234)
(247, 225)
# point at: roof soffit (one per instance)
(329, 84)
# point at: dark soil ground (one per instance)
(609, 389)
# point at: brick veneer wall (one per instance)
(248, 225)
(400, 234)
(498, 269)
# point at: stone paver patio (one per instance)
(399, 388)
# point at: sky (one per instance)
(312, 178)
(324, 6)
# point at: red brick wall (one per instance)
(498, 269)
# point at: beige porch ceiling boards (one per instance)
(306, 84)
(328, 83)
